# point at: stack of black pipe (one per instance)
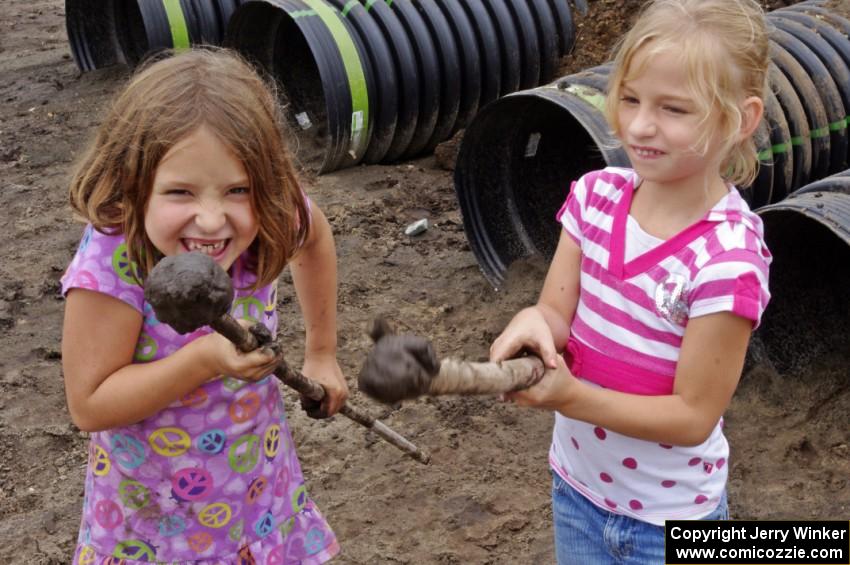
(365, 80)
(109, 32)
(379, 80)
(519, 154)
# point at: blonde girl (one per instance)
(659, 277)
(190, 457)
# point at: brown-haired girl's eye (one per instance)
(240, 190)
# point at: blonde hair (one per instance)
(724, 46)
(166, 100)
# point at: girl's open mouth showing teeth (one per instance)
(646, 152)
(207, 248)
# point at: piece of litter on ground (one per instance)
(417, 227)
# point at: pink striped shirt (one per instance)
(637, 295)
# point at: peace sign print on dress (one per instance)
(100, 461)
(194, 399)
(244, 408)
(135, 549)
(128, 451)
(248, 308)
(244, 453)
(255, 489)
(146, 348)
(170, 442)
(108, 514)
(265, 525)
(191, 484)
(212, 441)
(133, 494)
(172, 525)
(127, 271)
(215, 515)
(86, 556)
(199, 542)
(271, 441)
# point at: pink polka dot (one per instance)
(665, 446)
(610, 503)
(668, 484)
(630, 463)
(600, 433)
(575, 443)
(694, 461)
(635, 505)
(720, 463)
(606, 477)
(700, 499)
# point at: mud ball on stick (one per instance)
(188, 291)
(399, 367)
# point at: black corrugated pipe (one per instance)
(808, 233)
(428, 66)
(104, 33)
(520, 153)
(309, 48)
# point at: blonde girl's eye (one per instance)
(177, 192)
(628, 99)
(675, 110)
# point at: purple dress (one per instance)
(211, 479)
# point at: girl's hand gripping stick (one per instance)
(401, 367)
(191, 290)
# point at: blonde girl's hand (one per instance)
(325, 370)
(529, 331)
(553, 392)
(223, 359)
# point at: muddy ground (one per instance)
(485, 496)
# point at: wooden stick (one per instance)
(403, 367)
(245, 341)
(465, 377)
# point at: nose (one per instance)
(210, 216)
(643, 123)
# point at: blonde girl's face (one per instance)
(660, 123)
(201, 201)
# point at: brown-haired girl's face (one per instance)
(201, 201)
(660, 121)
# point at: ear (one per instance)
(752, 111)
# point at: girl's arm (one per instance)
(315, 279)
(709, 367)
(545, 327)
(106, 389)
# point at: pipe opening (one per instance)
(302, 92)
(808, 318)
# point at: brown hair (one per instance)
(167, 99)
(724, 46)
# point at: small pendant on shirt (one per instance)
(671, 298)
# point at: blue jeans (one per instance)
(588, 535)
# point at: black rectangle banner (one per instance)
(743, 542)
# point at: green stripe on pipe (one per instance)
(798, 140)
(301, 14)
(354, 72)
(177, 23)
(765, 155)
(390, 3)
(839, 125)
(780, 148)
(348, 6)
(820, 132)
(589, 95)
(369, 4)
